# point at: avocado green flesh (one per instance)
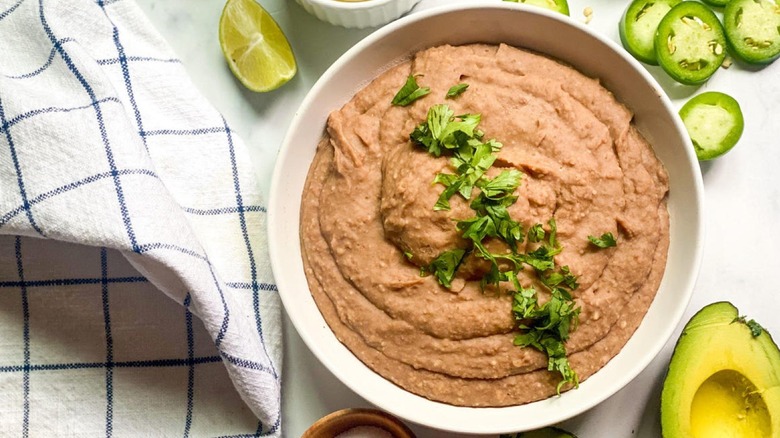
(722, 381)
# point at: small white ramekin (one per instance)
(358, 14)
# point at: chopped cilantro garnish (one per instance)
(545, 327)
(410, 92)
(445, 265)
(495, 209)
(564, 276)
(536, 233)
(477, 228)
(471, 166)
(552, 236)
(605, 241)
(457, 90)
(443, 130)
(501, 186)
(471, 162)
(509, 230)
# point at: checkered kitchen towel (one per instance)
(119, 185)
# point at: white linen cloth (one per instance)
(118, 180)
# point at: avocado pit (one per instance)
(729, 404)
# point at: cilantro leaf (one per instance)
(524, 304)
(494, 145)
(428, 133)
(496, 196)
(502, 185)
(755, 328)
(442, 130)
(472, 166)
(422, 137)
(459, 129)
(410, 92)
(477, 228)
(540, 259)
(451, 185)
(564, 276)
(605, 241)
(508, 229)
(560, 363)
(457, 90)
(445, 179)
(552, 236)
(494, 276)
(546, 327)
(536, 233)
(439, 116)
(445, 265)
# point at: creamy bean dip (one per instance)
(368, 226)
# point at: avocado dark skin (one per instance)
(723, 379)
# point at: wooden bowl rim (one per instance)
(343, 420)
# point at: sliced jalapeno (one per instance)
(561, 6)
(638, 25)
(716, 3)
(689, 43)
(753, 29)
(714, 122)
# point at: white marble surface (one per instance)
(742, 193)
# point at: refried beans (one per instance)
(368, 200)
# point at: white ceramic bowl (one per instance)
(359, 14)
(546, 32)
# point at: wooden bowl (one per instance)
(341, 421)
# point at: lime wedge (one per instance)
(254, 46)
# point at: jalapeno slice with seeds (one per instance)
(714, 122)
(638, 25)
(690, 44)
(753, 29)
(716, 3)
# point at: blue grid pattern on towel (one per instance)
(32, 200)
(190, 362)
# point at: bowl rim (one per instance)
(346, 419)
(352, 5)
(616, 384)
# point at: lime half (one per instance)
(255, 48)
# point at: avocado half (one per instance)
(723, 379)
